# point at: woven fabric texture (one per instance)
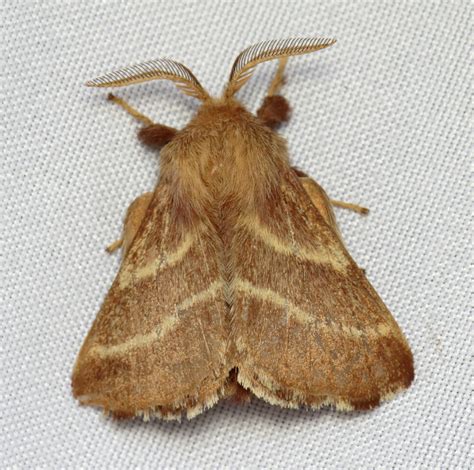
(382, 119)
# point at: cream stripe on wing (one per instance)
(330, 254)
(167, 324)
(270, 295)
(150, 269)
(302, 316)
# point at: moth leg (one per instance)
(312, 188)
(114, 246)
(129, 109)
(133, 219)
(321, 201)
(275, 108)
(154, 135)
(279, 78)
(350, 206)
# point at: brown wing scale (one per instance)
(158, 345)
(308, 327)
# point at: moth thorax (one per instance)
(224, 157)
(241, 158)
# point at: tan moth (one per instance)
(234, 279)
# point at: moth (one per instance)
(235, 281)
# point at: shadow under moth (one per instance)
(235, 280)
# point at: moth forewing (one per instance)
(234, 275)
(158, 344)
(330, 340)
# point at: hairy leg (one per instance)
(275, 108)
(321, 201)
(133, 219)
(350, 206)
(333, 202)
(154, 135)
(325, 205)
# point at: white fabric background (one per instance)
(381, 119)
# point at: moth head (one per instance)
(185, 80)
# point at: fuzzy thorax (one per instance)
(224, 156)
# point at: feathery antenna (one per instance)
(154, 70)
(268, 50)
